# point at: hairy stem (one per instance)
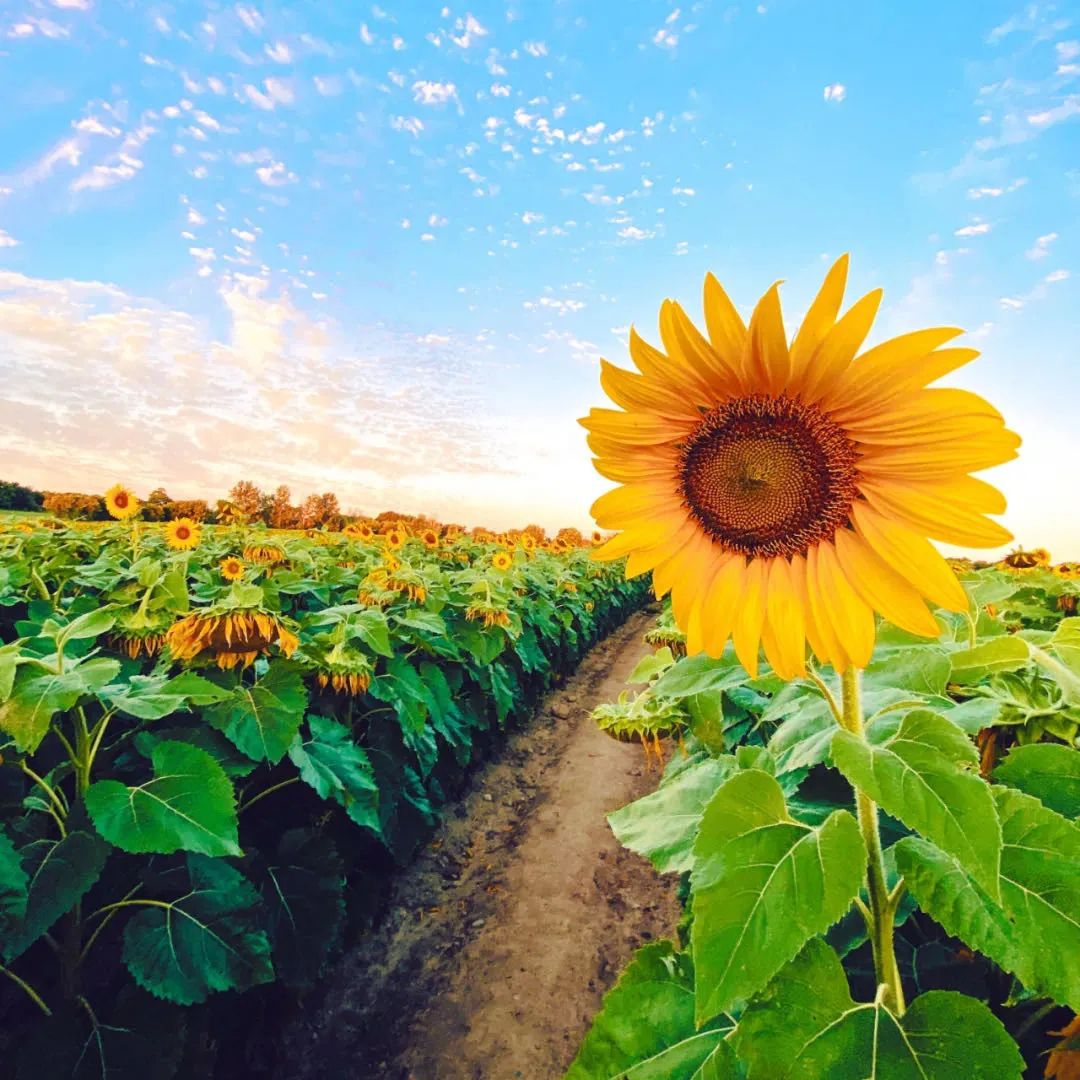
(882, 906)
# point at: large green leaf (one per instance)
(338, 768)
(925, 776)
(805, 1026)
(187, 805)
(262, 720)
(999, 654)
(35, 698)
(203, 941)
(923, 668)
(646, 1030)
(696, 674)
(302, 889)
(661, 826)
(14, 885)
(1049, 771)
(134, 1037)
(151, 697)
(763, 885)
(1038, 921)
(59, 873)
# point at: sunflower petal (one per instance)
(834, 355)
(922, 508)
(819, 320)
(727, 331)
(635, 393)
(766, 363)
(785, 623)
(682, 337)
(852, 618)
(750, 616)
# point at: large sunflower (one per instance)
(183, 534)
(121, 502)
(784, 493)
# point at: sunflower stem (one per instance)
(882, 911)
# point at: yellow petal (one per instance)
(912, 556)
(785, 639)
(721, 603)
(926, 415)
(640, 536)
(635, 393)
(636, 428)
(623, 506)
(750, 616)
(766, 363)
(834, 355)
(799, 580)
(922, 508)
(694, 379)
(682, 338)
(818, 322)
(851, 617)
(941, 459)
(727, 331)
(832, 649)
(882, 588)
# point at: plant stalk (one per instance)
(882, 907)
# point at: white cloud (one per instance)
(412, 124)
(251, 18)
(72, 5)
(665, 38)
(328, 85)
(194, 217)
(979, 228)
(275, 175)
(105, 176)
(366, 36)
(7, 240)
(535, 48)
(835, 92)
(469, 31)
(500, 90)
(561, 307)
(278, 92)
(1041, 248)
(531, 216)
(91, 125)
(1056, 275)
(1069, 107)
(279, 52)
(632, 232)
(433, 93)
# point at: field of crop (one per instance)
(217, 742)
(970, 750)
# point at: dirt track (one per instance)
(504, 935)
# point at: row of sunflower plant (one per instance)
(877, 825)
(215, 745)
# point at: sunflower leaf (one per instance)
(806, 1026)
(1049, 771)
(188, 805)
(764, 884)
(924, 776)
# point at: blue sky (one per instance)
(379, 249)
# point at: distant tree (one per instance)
(156, 507)
(227, 512)
(281, 514)
(74, 504)
(571, 535)
(15, 496)
(536, 532)
(321, 511)
(196, 509)
(247, 499)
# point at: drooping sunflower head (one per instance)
(501, 560)
(121, 502)
(231, 637)
(784, 493)
(232, 568)
(266, 554)
(183, 534)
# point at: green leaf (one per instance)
(1038, 921)
(805, 1026)
(924, 776)
(9, 661)
(696, 674)
(131, 1037)
(999, 654)
(662, 826)
(1049, 771)
(922, 668)
(91, 625)
(303, 897)
(338, 768)
(202, 942)
(651, 665)
(1066, 643)
(262, 720)
(14, 885)
(59, 874)
(188, 805)
(763, 884)
(35, 699)
(152, 697)
(646, 1030)
(205, 738)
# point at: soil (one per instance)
(503, 936)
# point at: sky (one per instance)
(379, 250)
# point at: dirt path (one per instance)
(504, 935)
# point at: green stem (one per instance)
(57, 809)
(30, 991)
(882, 906)
(826, 693)
(268, 791)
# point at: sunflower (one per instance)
(597, 538)
(501, 560)
(431, 539)
(784, 493)
(394, 539)
(121, 502)
(233, 636)
(1067, 570)
(232, 568)
(359, 530)
(267, 554)
(344, 670)
(183, 534)
(488, 613)
(527, 542)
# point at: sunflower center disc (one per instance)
(769, 476)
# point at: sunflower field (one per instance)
(217, 743)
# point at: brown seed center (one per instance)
(769, 476)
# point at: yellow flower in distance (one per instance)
(232, 568)
(501, 560)
(183, 534)
(430, 538)
(121, 502)
(783, 493)
(394, 539)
